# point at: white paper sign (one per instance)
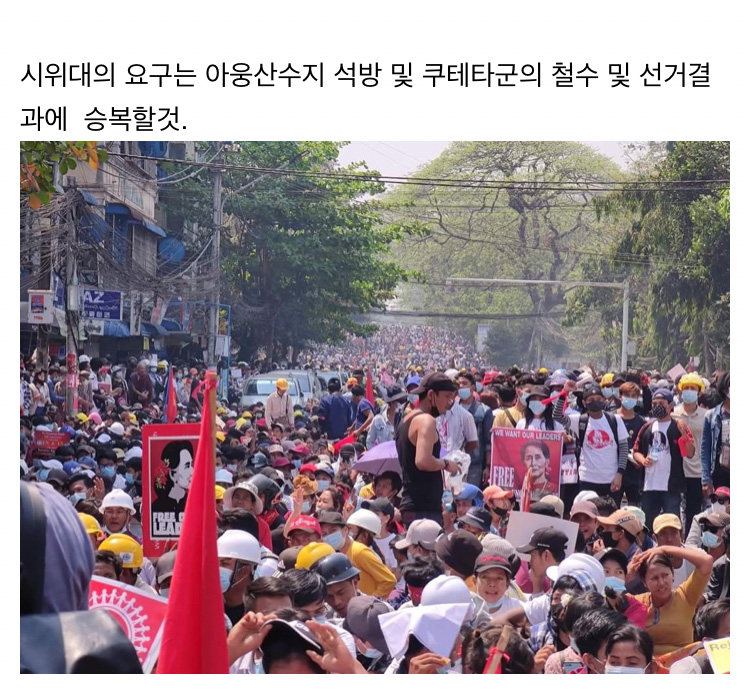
(522, 525)
(676, 371)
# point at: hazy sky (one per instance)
(402, 158)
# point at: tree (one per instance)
(539, 228)
(680, 233)
(38, 160)
(300, 254)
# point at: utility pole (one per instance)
(72, 298)
(213, 322)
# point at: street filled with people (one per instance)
(424, 513)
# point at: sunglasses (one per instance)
(721, 500)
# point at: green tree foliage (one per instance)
(532, 232)
(681, 281)
(299, 255)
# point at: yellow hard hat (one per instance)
(219, 492)
(127, 548)
(240, 424)
(311, 553)
(691, 379)
(282, 384)
(162, 364)
(367, 491)
(91, 524)
(419, 369)
(83, 418)
(607, 379)
(543, 370)
(221, 437)
(221, 411)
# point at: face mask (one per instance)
(608, 391)
(153, 370)
(608, 540)
(372, 653)
(690, 396)
(573, 645)
(479, 387)
(297, 463)
(108, 472)
(413, 399)
(659, 411)
(615, 583)
(629, 402)
(225, 578)
(323, 484)
(595, 406)
(77, 497)
(320, 619)
(494, 605)
(717, 508)
(129, 478)
(537, 407)
(464, 393)
(524, 397)
(44, 474)
(335, 540)
(306, 505)
(609, 669)
(164, 591)
(710, 540)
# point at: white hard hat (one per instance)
(451, 373)
(117, 428)
(133, 452)
(117, 498)
(235, 543)
(223, 476)
(585, 496)
(366, 519)
(579, 561)
(446, 589)
(250, 488)
(84, 359)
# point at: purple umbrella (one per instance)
(382, 458)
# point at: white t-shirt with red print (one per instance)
(599, 451)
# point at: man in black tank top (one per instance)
(418, 448)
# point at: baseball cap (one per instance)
(282, 631)
(590, 390)
(413, 382)
(556, 503)
(423, 533)
(52, 464)
(57, 476)
(664, 393)
(71, 467)
(477, 517)
(309, 467)
(381, 505)
(488, 560)
(362, 620)
(165, 566)
(717, 520)
(306, 523)
(459, 550)
(584, 508)
(287, 560)
(281, 462)
(331, 517)
(722, 491)
(276, 448)
(496, 493)
(667, 520)
(223, 476)
(437, 382)
(623, 519)
(613, 555)
(469, 492)
(545, 538)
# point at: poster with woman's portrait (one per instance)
(168, 454)
(516, 450)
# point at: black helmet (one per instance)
(335, 568)
(267, 489)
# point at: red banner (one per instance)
(46, 442)
(140, 614)
(515, 451)
(168, 453)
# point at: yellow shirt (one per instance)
(502, 420)
(375, 578)
(671, 627)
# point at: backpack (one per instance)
(583, 423)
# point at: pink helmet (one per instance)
(96, 418)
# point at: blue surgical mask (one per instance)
(495, 605)
(320, 619)
(335, 540)
(323, 484)
(44, 474)
(108, 472)
(413, 399)
(616, 583)
(629, 402)
(76, 497)
(225, 578)
(464, 393)
(709, 540)
(573, 645)
(306, 505)
(537, 407)
(479, 387)
(608, 391)
(609, 669)
(297, 463)
(690, 396)
(129, 478)
(524, 397)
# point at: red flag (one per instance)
(195, 639)
(171, 399)
(369, 394)
(344, 441)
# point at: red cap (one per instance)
(309, 467)
(307, 523)
(488, 376)
(722, 491)
(301, 450)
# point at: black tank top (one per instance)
(423, 491)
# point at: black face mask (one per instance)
(556, 613)
(659, 411)
(434, 411)
(608, 539)
(595, 406)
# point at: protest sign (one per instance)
(515, 450)
(676, 371)
(522, 525)
(168, 452)
(46, 442)
(718, 655)
(140, 614)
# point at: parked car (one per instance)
(325, 376)
(307, 379)
(258, 387)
